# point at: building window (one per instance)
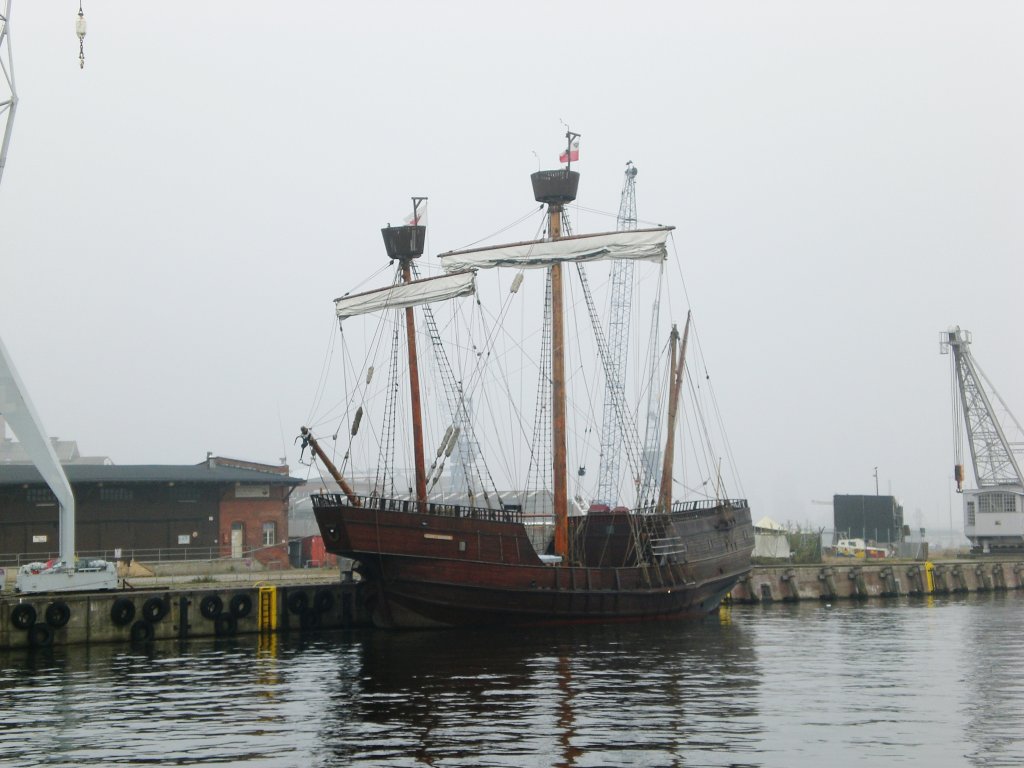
(970, 513)
(997, 503)
(108, 493)
(42, 497)
(269, 534)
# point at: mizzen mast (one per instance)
(406, 243)
(555, 189)
(678, 369)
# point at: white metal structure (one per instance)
(618, 345)
(994, 511)
(65, 574)
(9, 96)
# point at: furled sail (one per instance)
(412, 294)
(646, 244)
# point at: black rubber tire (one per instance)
(309, 619)
(57, 614)
(240, 605)
(142, 632)
(323, 601)
(40, 635)
(225, 624)
(298, 602)
(122, 611)
(23, 616)
(154, 609)
(211, 606)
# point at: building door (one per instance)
(237, 537)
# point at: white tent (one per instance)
(770, 540)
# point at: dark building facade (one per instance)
(219, 508)
(872, 518)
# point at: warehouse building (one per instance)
(219, 508)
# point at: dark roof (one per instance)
(20, 474)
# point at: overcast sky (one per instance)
(845, 178)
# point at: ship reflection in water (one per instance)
(917, 682)
(611, 695)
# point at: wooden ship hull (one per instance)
(437, 565)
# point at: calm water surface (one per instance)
(916, 682)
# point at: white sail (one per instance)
(412, 294)
(646, 244)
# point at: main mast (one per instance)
(405, 244)
(555, 189)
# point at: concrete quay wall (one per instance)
(175, 613)
(860, 580)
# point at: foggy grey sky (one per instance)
(845, 178)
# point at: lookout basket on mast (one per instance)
(555, 187)
(406, 242)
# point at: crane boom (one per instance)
(9, 102)
(993, 518)
(991, 453)
(618, 346)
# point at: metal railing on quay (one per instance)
(156, 555)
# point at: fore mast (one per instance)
(403, 243)
(406, 243)
(555, 189)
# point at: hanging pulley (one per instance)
(80, 31)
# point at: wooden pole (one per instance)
(559, 460)
(414, 394)
(345, 487)
(675, 385)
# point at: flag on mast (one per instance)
(572, 155)
(419, 218)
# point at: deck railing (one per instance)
(507, 514)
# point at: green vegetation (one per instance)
(804, 544)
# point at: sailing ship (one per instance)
(429, 560)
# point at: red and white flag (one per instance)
(572, 155)
(420, 217)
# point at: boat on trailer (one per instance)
(429, 562)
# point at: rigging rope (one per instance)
(627, 425)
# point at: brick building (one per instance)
(218, 508)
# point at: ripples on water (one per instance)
(916, 682)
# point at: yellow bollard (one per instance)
(929, 586)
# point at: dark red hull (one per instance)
(449, 566)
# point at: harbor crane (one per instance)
(994, 510)
(64, 573)
(9, 96)
(618, 345)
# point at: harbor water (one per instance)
(931, 681)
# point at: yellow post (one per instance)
(267, 615)
(929, 586)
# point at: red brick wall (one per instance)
(253, 513)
